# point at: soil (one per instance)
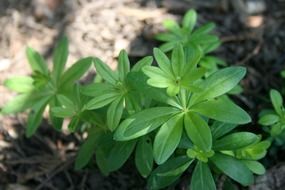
(252, 36)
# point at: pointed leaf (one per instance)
(276, 100)
(114, 113)
(172, 26)
(20, 103)
(101, 101)
(167, 139)
(235, 141)
(255, 166)
(167, 46)
(178, 60)
(35, 116)
(74, 73)
(20, 84)
(166, 37)
(36, 61)
(268, 119)
(189, 20)
(60, 57)
(222, 109)
(124, 64)
(202, 177)
(119, 154)
(97, 89)
(62, 112)
(143, 156)
(162, 61)
(146, 61)
(168, 172)
(219, 129)
(143, 122)
(198, 131)
(105, 72)
(204, 29)
(233, 168)
(87, 149)
(219, 83)
(172, 90)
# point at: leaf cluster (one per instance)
(170, 116)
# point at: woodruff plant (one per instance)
(187, 34)
(273, 120)
(170, 116)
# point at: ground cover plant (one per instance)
(174, 116)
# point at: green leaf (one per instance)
(114, 113)
(276, 130)
(55, 120)
(202, 177)
(172, 90)
(235, 141)
(20, 84)
(158, 78)
(255, 166)
(77, 70)
(19, 103)
(119, 154)
(97, 89)
(143, 156)
(189, 20)
(172, 26)
(168, 172)
(101, 101)
(35, 116)
(233, 168)
(60, 57)
(220, 129)
(277, 101)
(62, 112)
(74, 123)
(178, 60)
(36, 61)
(193, 54)
(192, 76)
(124, 65)
(146, 61)
(222, 109)
(207, 48)
(167, 139)
(166, 37)
(162, 61)
(204, 40)
(255, 151)
(204, 29)
(65, 101)
(167, 46)
(198, 131)
(219, 83)
(143, 122)
(87, 149)
(105, 72)
(185, 142)
(150, 92)
(268, 119)
(93, 118)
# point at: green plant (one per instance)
(171, 115)
(45, 88)
(186, 34)
(273, 120)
